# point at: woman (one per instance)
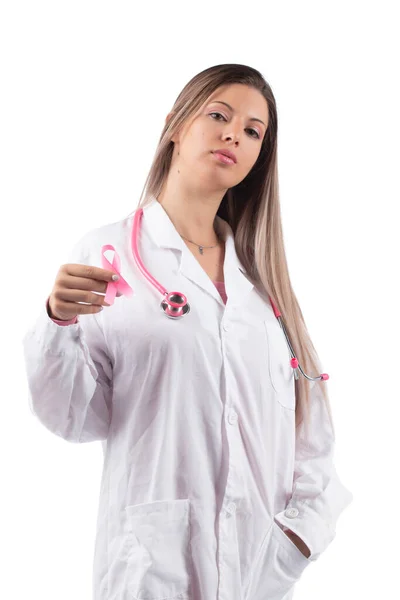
(218, 477)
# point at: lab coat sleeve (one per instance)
(69, 372)
(318, 496)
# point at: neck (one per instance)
(193, 215)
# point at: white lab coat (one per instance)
(197, 421)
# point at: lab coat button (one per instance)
(233, 417)
(226, 326)
(231, 507)
(291, 512)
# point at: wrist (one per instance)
(297, 541)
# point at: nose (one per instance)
(232, 130)
(233, 136)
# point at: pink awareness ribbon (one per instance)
(113, 286)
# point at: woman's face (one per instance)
(217, 126)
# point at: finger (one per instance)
(91, 272)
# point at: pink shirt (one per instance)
(220, 285)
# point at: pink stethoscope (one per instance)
(174, 304)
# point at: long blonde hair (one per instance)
(252, 209)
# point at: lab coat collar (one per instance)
(163, 233)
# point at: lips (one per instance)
(227, 153)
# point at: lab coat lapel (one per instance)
(163, 233)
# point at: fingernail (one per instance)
(115, 277)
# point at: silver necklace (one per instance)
(200, 247)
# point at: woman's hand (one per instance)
(78, 283)
(297, 541)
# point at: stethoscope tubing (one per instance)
(175, 304)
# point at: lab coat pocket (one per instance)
(278, 567)
(159, 552)
(280, 370)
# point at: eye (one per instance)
(256, 132)
(257, 136)
(217, 113)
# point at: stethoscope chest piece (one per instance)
(175, 305)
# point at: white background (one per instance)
(85, 89)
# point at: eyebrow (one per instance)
(229, 106)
